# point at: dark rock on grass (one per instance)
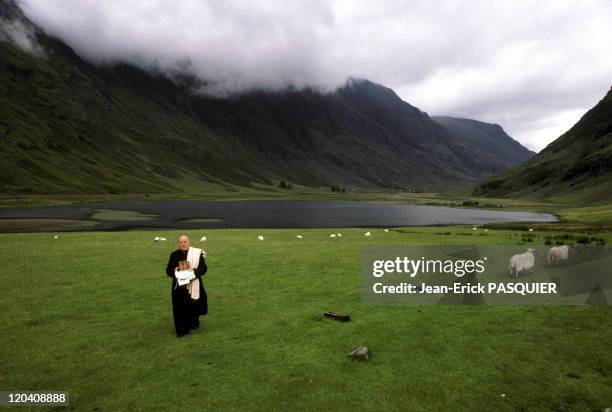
(361, 353)
(337, 316)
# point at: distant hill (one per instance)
(575, 167)
(494, 149)
(67, 126)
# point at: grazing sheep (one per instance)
(474, 228)
(367, 234)
(522, 263)
(260, 237)
(203, 239)
(157, 239)
(332, 235)
(386, 230)
(557, 254)
(55, 237)
(531, 229)
(163, 239)
(339, 234)
(300, 237)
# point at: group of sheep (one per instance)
(163, 239)
(475, 228)
(366, 234)
(518, 264)
(260, 237)
(525, 262)
(332, 236)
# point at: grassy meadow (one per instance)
(459, 197)
(90, 313)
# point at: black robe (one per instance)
(185, 310)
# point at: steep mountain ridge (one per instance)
(496, 149)
(67, 126)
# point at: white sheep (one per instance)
(300, 237)
(386, 230)
(156, 239)
(203, 239)
(531, 229)
(557, 254)
(163, 239)
(339, 234)
(522, 263)
(332, 235)
(367, 234)
(55, 237)
(260, 237)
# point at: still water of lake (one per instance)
(194, 214)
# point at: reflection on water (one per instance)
(184, 214)
(121, 215)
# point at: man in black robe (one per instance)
(185, 310)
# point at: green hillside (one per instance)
(577, 167)
(69, 127)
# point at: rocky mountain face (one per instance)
(68, 126)
(494, 149)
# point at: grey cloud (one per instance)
(529, 66)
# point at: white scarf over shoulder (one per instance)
(193, 287)
(193, 257)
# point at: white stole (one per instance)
(193, 257)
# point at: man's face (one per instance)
(183, 243)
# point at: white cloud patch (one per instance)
(21, 35)
(533, 67)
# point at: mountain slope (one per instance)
(67, 126)
(495, 150)
(576, 166)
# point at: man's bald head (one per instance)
(183, 242)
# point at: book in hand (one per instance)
(183, 277)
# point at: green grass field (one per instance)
(296, 193)
(90, 313)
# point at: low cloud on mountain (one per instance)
(534, 68)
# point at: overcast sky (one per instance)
(535, 67)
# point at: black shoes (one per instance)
(183, 332)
